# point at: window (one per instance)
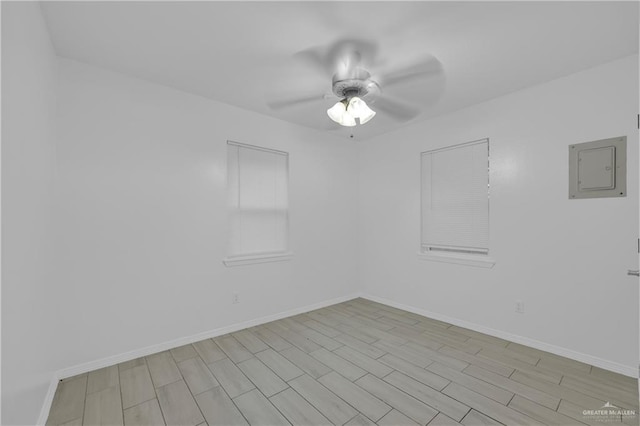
(257, 180)
(455, 204)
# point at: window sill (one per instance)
(461, 259)
(257, 258)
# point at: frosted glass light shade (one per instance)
(345, 112)
(340, 115)
(359, 109)
(337, 111)
(348, 120)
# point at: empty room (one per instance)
(320, 213)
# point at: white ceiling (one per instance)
(241, 53)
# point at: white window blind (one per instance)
(258, 198)
(455, 199)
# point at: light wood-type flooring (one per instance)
(355, 363)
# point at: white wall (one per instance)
(142, 216)
(567, 260)
(28, 172)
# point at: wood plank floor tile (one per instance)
(480, 336)
(292, 325)
(163, 369)
(417, 338)
(475, 418)
(481, 362)
(558, 391)
(258, 410)
(272, 339)
(197, 376)
(383, 335)
(296, 339)
(513, 386)
(488, 406)
(468, 347)
(360, 346)
(145, 414)
(339, 364)
(427, 377)
(401, 317)
(262, 377)
(517, 347)
(322, 340)
(321, 328)
(360, 420)
(356, 363)
(234, 349)
(492, 352)
(605, 385)
(250, 341)
(575, 412)
(182, 353)
(297, 410)
(74, 422)
(369, 364)
(480, 386)
(209, 351)
(230, 377)
(355, 332)
(136, 386)
(438, 356)
(102, 379)
(306, 363)
(561, 365)
(132, 363)
(609, 393)
(372, 407)
(443, 420)
(178, 406)
(319, 316)
(540, 413)
(447, 334)
(218, 409)
(443, 403)
(284, 368)
(104, 408)
(325, 401)
(68, 401)
(396, 418)
(611, 377)
(404, 353)
(411, 407)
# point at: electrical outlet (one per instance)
(235, 298)
(520, 306)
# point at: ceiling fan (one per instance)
(360, 79)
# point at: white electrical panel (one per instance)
(598, 169)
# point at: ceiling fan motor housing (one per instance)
(360, 85)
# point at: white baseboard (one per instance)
(127, 356)
(48, 399)
(557, 350)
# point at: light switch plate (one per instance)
(598, 169)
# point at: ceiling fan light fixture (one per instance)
(348, 120)
(359, 109)
(340, 115)
(346, 111)
(337, 111)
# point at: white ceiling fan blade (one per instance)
(429, 66)
(315, 57)
(277, 104)
(397, 110)
(342, 58)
